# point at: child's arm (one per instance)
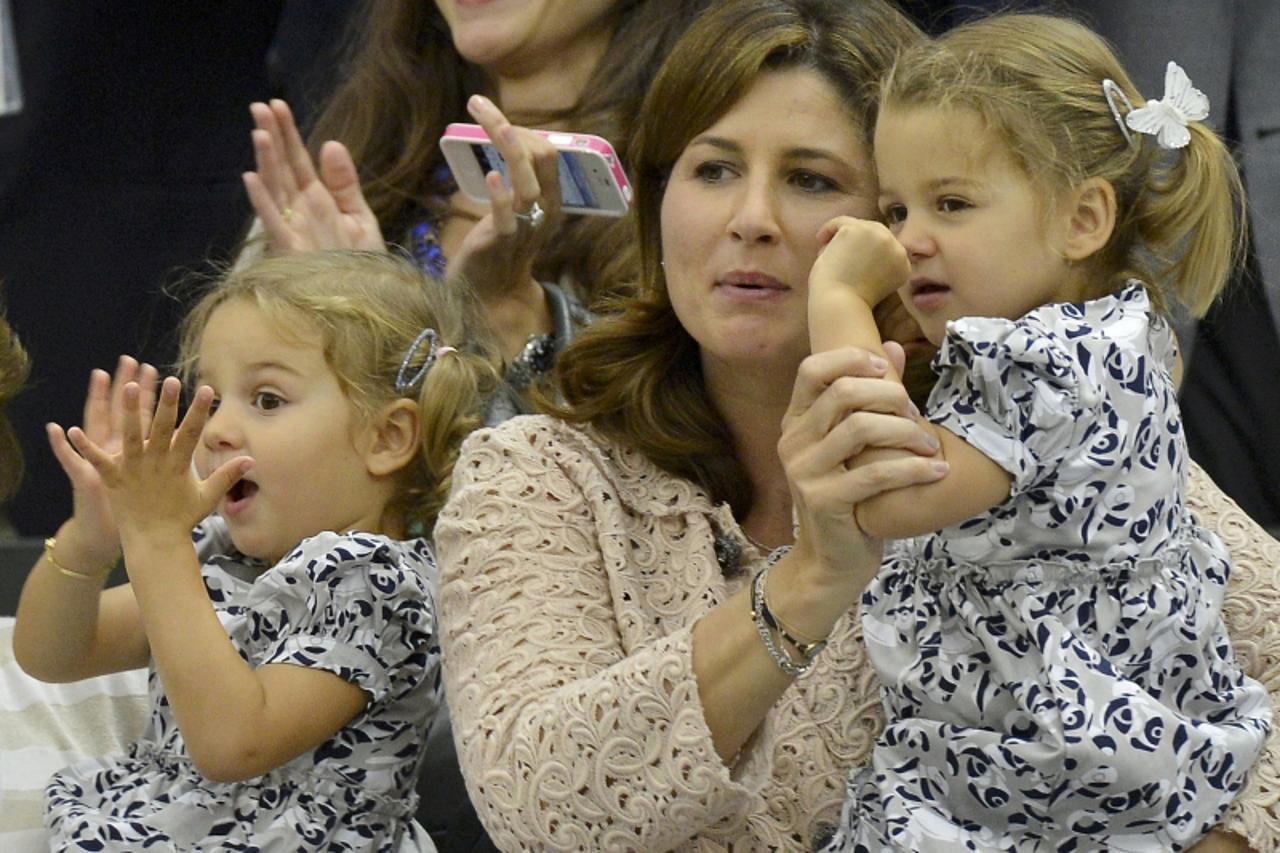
(67, 627)
(862, 264)
(237, 721)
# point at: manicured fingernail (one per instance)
(940, 467)
(477, 102)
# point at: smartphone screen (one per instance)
(575, 191)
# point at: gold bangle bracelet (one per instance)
(72, 573)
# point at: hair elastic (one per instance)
(1111, 90)
(434, 350)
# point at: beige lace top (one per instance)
(572, 574)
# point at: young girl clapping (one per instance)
(1056, 672)
(292, 636)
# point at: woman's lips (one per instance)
(751, 286)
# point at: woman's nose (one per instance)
(755, 217)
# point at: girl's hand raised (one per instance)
(91, 533)
(301, 210)
(150, 481)
(862, 256)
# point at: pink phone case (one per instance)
(561, 140)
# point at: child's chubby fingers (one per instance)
(73, 464)
(222, 478)
(163, 423)
(126, 371)
(193, 422)
(830, 228)
(148, 381)
(92, 453)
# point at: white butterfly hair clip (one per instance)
(1165, 119)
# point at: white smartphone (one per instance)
(591, 176)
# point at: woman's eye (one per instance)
(812, 181)
(267, 401)
(711, 172)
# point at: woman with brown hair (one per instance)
(608, 682)
(414, 67)
(622, 672)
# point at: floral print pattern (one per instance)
(1057, 673)
(357, 605)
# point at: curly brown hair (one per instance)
(635, 374)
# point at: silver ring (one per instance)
(534, 217)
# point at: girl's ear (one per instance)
(1090, 219)
(396, 438)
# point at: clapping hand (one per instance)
(302, 210)
(92, 530)
(149, 480)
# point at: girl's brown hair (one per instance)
(1036, 82)
(404, 81)
(368, 308)
(635, 374)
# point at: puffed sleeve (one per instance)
(1249, 611)
(356, 605)
(568, 739)
(1016, 392)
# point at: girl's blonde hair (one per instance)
(368, 307)
(635, 374)
(1036, 82)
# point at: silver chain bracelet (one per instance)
(767, 623)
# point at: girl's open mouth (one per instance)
(239, 496)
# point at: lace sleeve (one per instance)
(1250, 608)
(567, 738)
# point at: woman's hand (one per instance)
(301, 210)
(496, 257)
(150, 481)
(839, 407)
(91, 534)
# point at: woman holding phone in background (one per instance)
(415, 67)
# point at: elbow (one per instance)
(40, 667)
(227, 762)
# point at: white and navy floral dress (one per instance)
(357, 605)
(1056, 672)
